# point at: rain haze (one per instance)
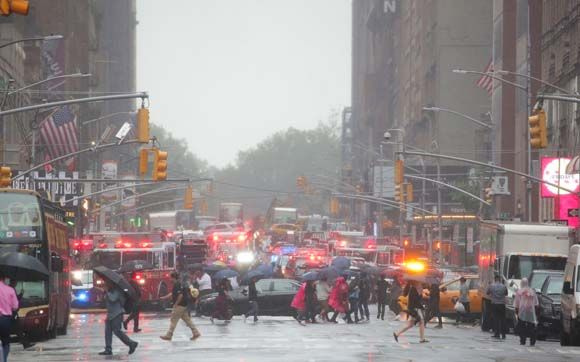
(225, 75)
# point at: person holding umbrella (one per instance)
(415, 310)
(338, 298)
(8, 305)
(381, 290)
(115, 301)
(252, 299)
(322, 292)
(136, 311)
(311, 300)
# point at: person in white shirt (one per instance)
(204, 286)
(322, 292)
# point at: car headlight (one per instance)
(245, 257)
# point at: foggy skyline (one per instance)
(238, 71)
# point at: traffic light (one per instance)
(538, 131)
(203, 207)
(409, 192)
(5, 176)
(143, 125)
(143, 161)
(188, 199)
(399, 172)
(334, 206)
(302, 183)
(399, 193)
(160, 165)
(14, 6)
(488, 194)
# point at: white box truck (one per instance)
(513, 250)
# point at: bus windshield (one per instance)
(33, 293)
(19, 217)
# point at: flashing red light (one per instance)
(215, 237)
(343, 243)
(406, 242)
(242, 237)
(169, 234)
(140, 279)
(311, 257)
(319, 257)
(103, 245)
(76, 244)
(371, 246)
(145, 244)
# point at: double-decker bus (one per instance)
(155, 282)
(34, 226)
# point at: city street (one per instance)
(282, 339)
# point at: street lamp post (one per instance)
(65, 76)
(528, 108)
(402, 157)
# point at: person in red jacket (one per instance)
(338, 299)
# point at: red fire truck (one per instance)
(140, 246)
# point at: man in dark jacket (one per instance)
(134, 314)
(364, 296)
(381, 296)
(115, 300)
(434, 298)
(253, 300)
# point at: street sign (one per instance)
(499, 185)
(572, 212)
(384, 181)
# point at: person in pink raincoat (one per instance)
(338, 298)
(299, 302)
(525, 304)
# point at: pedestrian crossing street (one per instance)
(283, 339)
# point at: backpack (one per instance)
(129, 304)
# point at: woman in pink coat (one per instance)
(299, 302)
(338, 298)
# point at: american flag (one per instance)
(486, 82)
(59, 131)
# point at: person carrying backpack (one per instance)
(135, 311)
(181, 294)
(115, 301)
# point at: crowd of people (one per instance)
(316, 301)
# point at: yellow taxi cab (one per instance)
(283, 228)
(449, 293)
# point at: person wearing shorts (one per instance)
(415, 310)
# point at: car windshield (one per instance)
(110, 259)
(521, 266)
(538, 280)
(555, 286)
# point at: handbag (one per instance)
(459, 307)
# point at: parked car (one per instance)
(449, 293)
(549, 298)
(274, 298)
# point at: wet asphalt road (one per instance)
(282, 339)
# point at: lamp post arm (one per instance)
(483, 164)
(451, 187)
(141, 95)
(91, 149)
(138, 195)
(482, 124)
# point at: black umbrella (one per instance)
(20, 266)
(116, 279)
(136, 265)
(213, 268)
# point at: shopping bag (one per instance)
(459, 307)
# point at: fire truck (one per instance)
(226, 245)
(154, 282)
(191, 248)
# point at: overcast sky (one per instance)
(225, 74)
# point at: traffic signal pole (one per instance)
(495, 167)
(451, 187)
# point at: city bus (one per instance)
(155, 282)
(34, 226)
(172, 220)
